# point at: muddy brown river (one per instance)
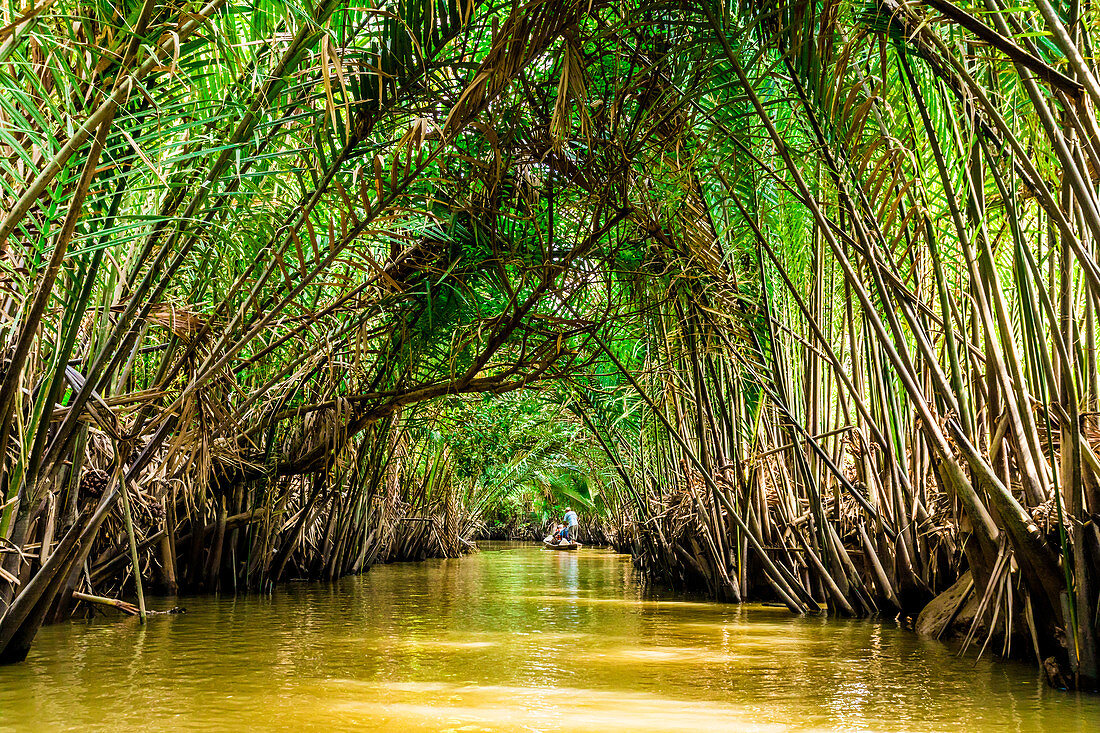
(514, 638)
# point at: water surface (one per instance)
(515, 638)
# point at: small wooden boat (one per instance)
(561, 545)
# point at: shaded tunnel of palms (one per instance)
(796, 300)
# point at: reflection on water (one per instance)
(512, 639)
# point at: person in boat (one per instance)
(570, 525)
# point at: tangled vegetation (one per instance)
(797, 298)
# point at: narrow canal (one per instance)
(515, 638)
